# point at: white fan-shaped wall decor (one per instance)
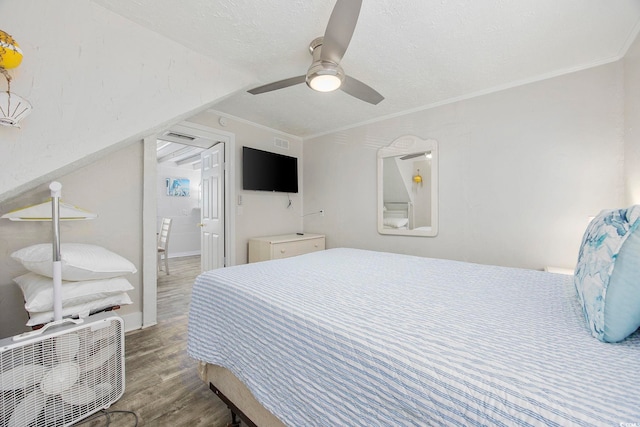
(57, 376)
(13, 108)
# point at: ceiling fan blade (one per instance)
(356, 88)
(281, 84)
(340, 28)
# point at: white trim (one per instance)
(229, 201)
(149, 237)
(133, 321)
(633, 34)
(183, 254)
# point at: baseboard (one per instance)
(183, 254)
(132, 321)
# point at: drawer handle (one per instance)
(281, 251)
(315, 246)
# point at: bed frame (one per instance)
(237, 397)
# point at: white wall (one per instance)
(520, 172)
(184, 239)
(96, 81)
(111, 188)
(261, 213)
(632, 123)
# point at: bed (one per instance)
(350, 337)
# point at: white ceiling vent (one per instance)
(179, 136)
(282, 143)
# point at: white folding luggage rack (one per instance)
(58, 375)
(69, 369)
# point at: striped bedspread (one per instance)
(348, 337)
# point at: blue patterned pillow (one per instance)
(607, 276)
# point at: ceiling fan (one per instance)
(325, 73)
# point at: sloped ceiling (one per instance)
(416, 53)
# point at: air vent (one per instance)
(180, 136)
(282, 143)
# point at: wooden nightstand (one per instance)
(284, 246)
(560, 270)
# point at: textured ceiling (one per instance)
(416, 53)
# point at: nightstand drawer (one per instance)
(284, 246)
(287, 249)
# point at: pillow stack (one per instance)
(395, 222)
(91, 280)
(607, 276)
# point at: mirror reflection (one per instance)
(407, 187)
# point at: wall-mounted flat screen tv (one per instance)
(266, 171)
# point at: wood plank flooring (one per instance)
(162, 383)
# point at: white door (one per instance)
(212, 211)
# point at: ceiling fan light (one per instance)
(325, 76)
(325, 82)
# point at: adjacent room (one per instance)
(320, 213)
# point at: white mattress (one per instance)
(358, 338)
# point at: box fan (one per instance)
(62, 374)
(68, 369)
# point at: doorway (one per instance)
(184, 146)
(178, 187)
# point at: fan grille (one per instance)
(63, 376)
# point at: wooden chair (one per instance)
(163, 244)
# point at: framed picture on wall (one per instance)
(177, 187)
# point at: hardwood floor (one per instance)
(162, 383)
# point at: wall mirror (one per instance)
(408, 187)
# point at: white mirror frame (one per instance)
(410, 144)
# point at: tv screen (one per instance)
(266, 171)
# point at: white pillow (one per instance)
(79, 261)
(81, 310)
(396, 222)
(38, 290)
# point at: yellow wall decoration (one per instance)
(13, 107)
(417, 178)
(10, 52)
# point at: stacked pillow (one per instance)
(91, 280)
(607, 276)
(395, 222)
